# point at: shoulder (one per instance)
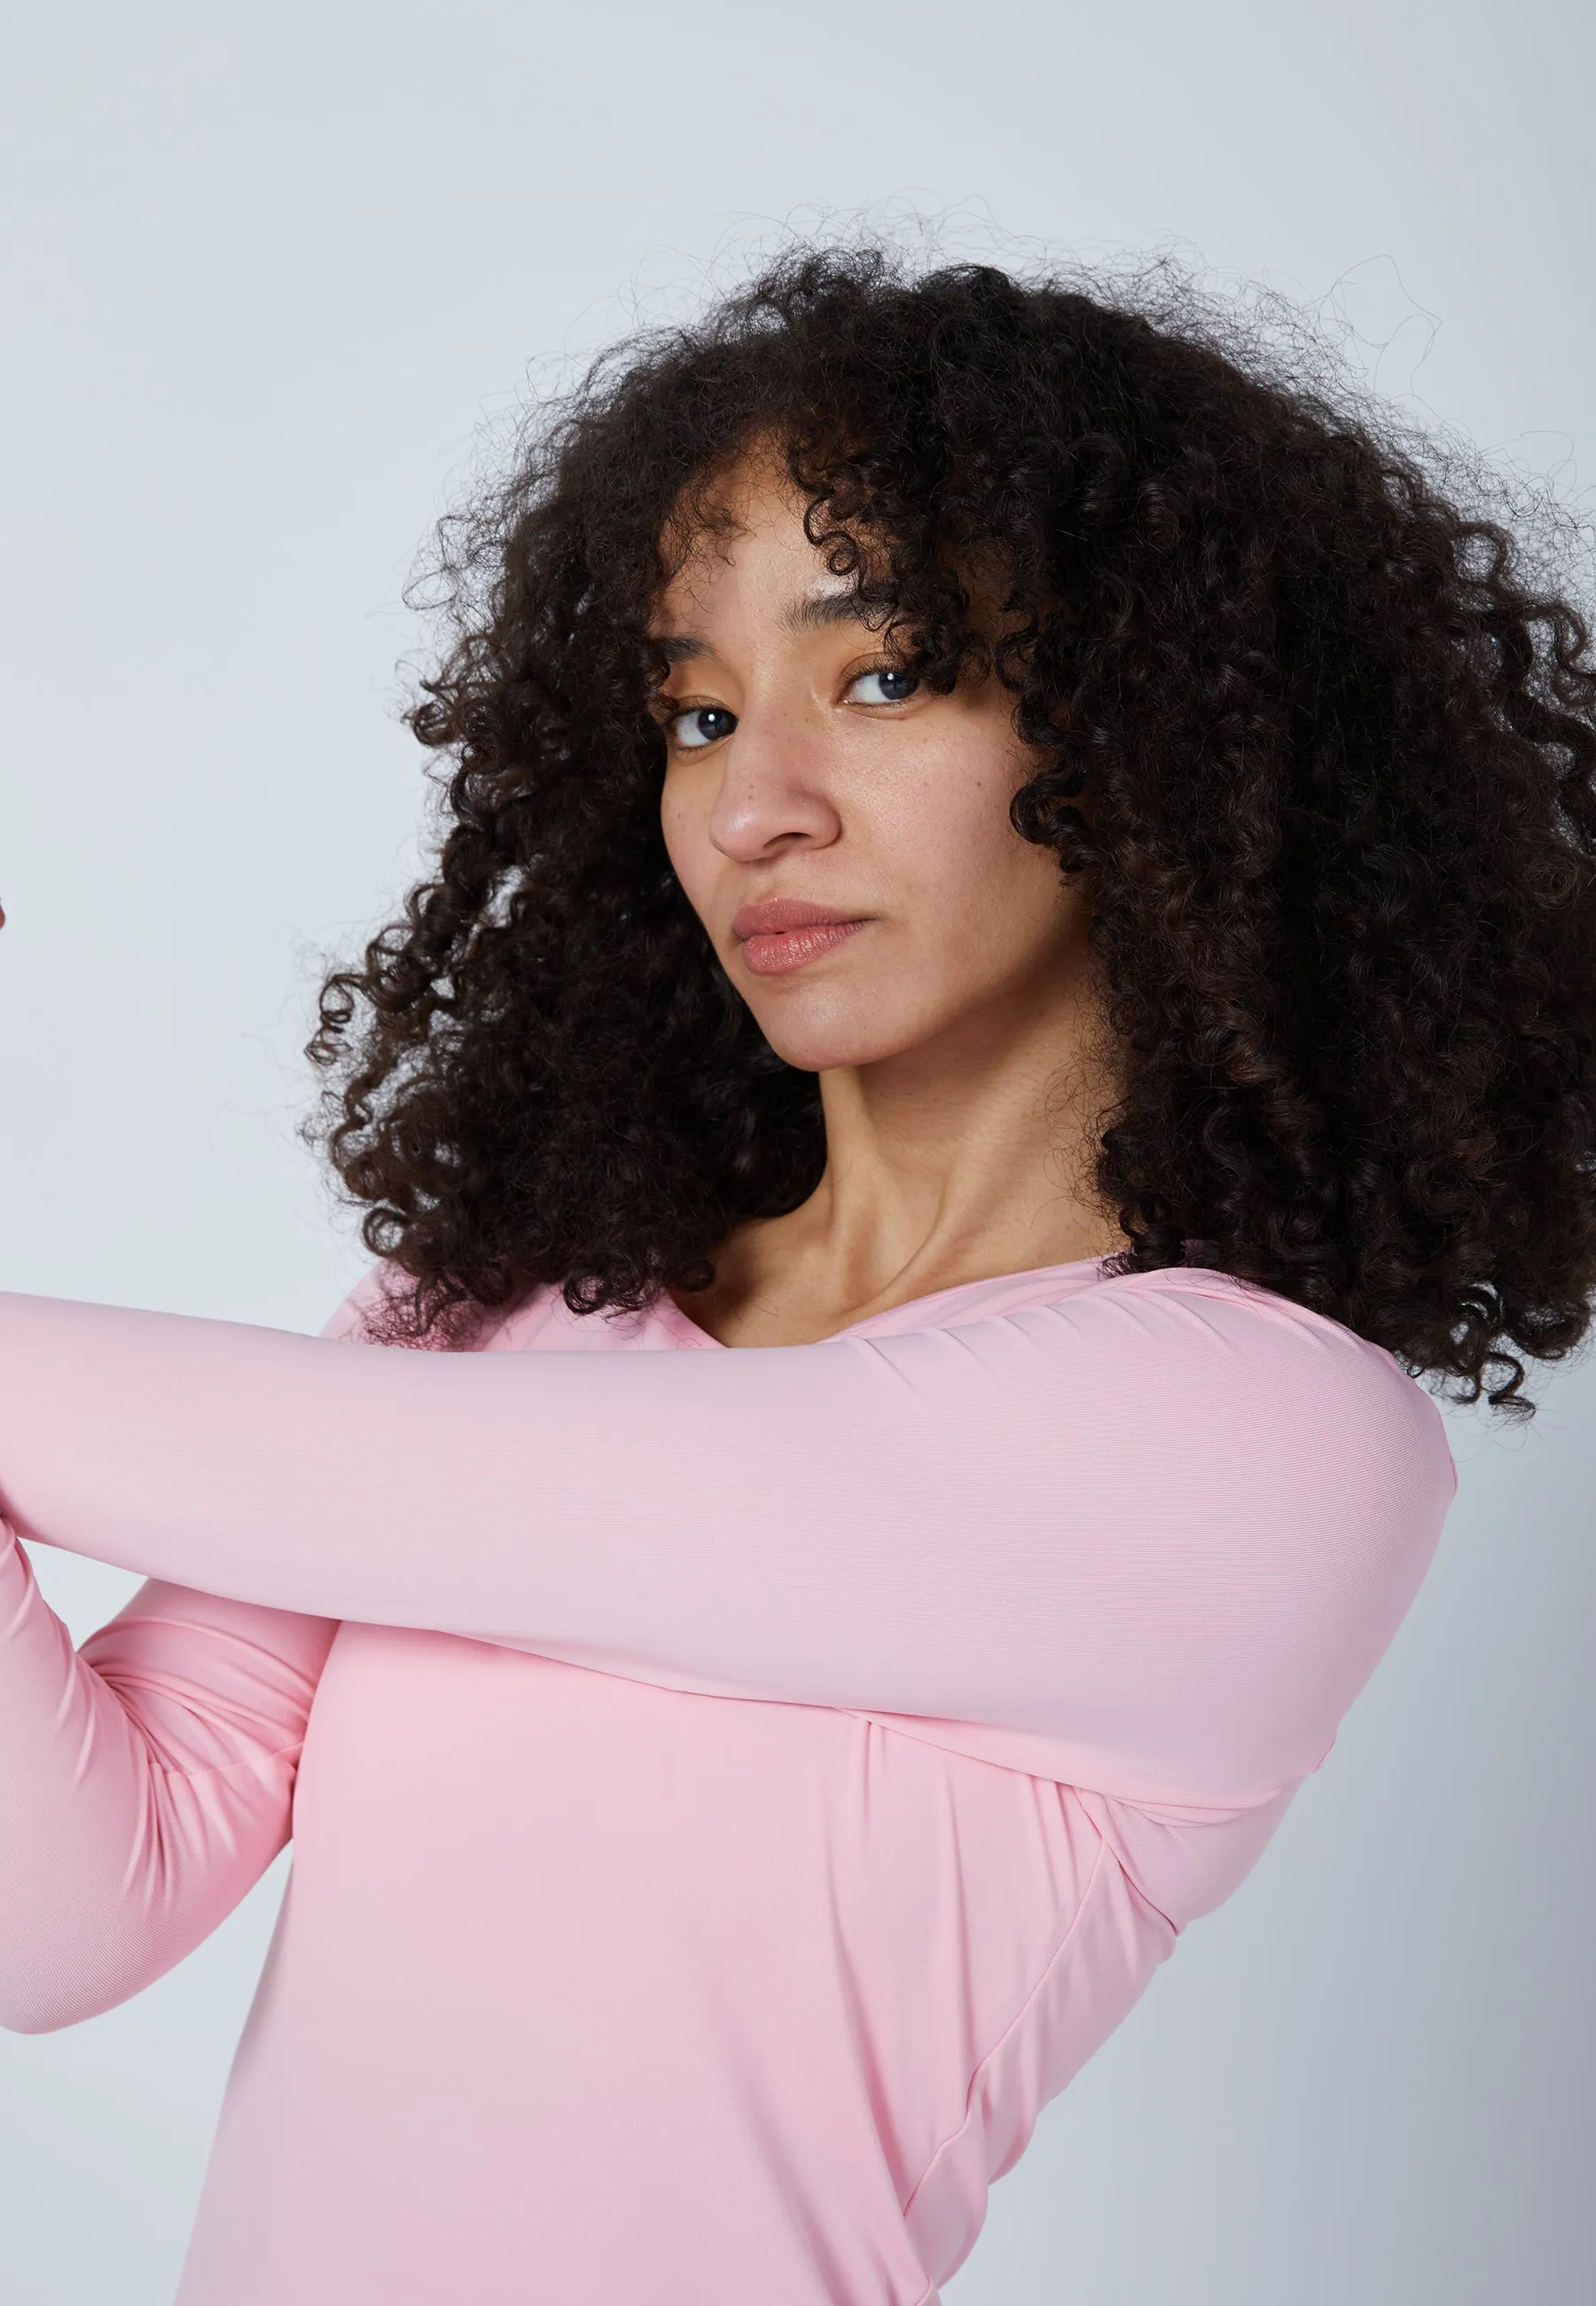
(1254, 1354)
(363, 1318)
(1323, 1464)
(355, 1315)
(1224, 1425)
(1236, 1344)
(1284, 1483)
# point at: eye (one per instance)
(705, 724)
(891, 683)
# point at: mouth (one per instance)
(784, 933)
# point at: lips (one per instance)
(777, 916)
(783, 932)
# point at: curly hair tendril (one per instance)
(1314, 726)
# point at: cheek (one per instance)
(987, 900)
(951, 819)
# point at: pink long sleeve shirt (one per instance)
(731, 1791)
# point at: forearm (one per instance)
(1058, 1520)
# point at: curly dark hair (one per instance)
(1332, 721)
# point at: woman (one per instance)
(1040, 877)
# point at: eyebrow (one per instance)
(812, 613)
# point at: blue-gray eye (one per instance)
(892, 686)
(705, 724)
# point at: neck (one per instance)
(948, 1163)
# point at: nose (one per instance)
(772, 791)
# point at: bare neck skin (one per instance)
(954, 1023)
(953, 1164)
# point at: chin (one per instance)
(821, 1044)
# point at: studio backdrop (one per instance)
(266, 276)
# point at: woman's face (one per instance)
(808, 779)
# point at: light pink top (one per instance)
(861, 1723)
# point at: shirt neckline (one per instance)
(667, 1309)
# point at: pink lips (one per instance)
(784, 933)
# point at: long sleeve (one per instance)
(145, 1784)
(1167, 1524)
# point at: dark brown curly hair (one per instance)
(1333, 717)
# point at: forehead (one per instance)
(748, 556)
(751, 515)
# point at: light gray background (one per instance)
(264, 272)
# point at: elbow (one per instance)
(46, 1987)
(48, 2005)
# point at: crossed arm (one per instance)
(1168, 1523)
